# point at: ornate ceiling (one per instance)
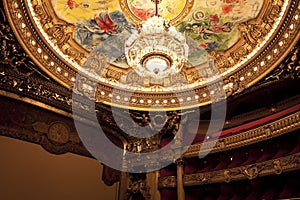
(251, 42)
(232, 45)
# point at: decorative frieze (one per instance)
(276, 166)
(264, 132)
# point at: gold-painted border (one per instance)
(252, 171)
(264, 132)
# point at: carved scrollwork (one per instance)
(252, 33)
(22, 85)
(167, 181)
(12, 56)
(221, 60)
(143, 145)
(233, 86)
(277, 166)
(137, 188)
(157, 122)
(227, 176)
(289, 69)
(201, 178)
(251, 171)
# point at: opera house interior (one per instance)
(149, 99)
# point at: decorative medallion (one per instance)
(59, 132)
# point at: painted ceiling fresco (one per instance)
(236, 41)
(208, 25)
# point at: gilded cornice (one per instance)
(264, 132)
(275, 166)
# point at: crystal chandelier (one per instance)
(156, 49)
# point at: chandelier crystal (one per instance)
(156, 49)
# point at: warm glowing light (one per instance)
(156, 49)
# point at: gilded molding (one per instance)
(264, 132)
(276, 166)
(137, 188)
(288, 69)
(255, 135)
(167, 182)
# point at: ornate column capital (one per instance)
(180, 161)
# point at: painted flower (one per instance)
(226, 9)
(214, 19)
(203, 46)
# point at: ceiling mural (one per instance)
(95, 21)
(209, 25)
(237, 40)
(213, 24)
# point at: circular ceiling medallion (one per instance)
(59, 132)
(138, 11)
(232, 45)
